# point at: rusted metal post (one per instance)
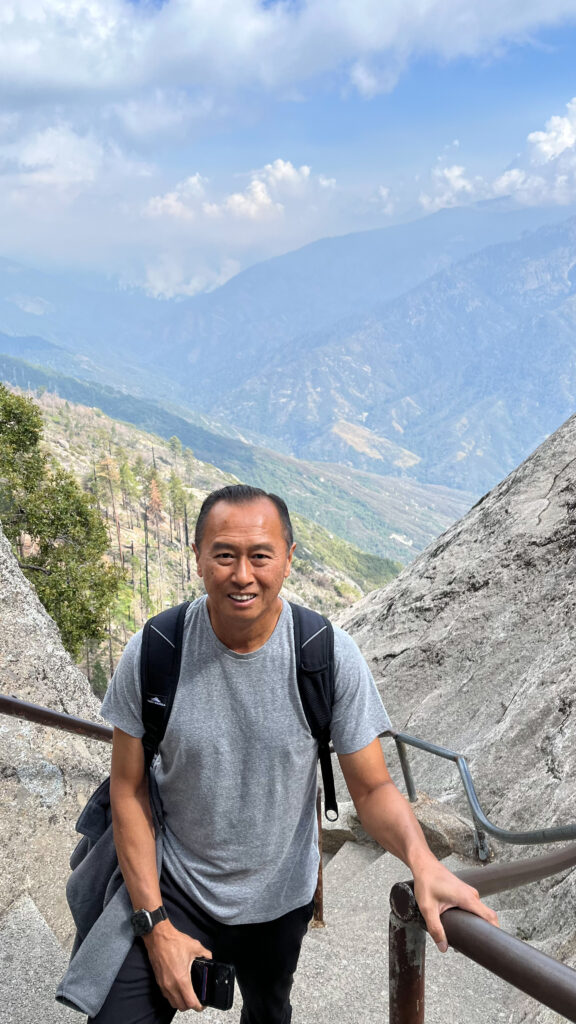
(407, 958)
(318, 919)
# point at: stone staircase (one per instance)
(342, 977)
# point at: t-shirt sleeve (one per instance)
(122, 704)
(358, 714)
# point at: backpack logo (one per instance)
(156, 700)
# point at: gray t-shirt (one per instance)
(238, 764)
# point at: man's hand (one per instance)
(387, 816)
(436, 889)
(171, 954)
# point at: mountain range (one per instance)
(440, 351)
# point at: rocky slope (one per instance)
(473, 648)
(46, 775)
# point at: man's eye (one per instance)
(260, 557)
(224, 556)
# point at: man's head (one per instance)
(242, 494)
(244, 551)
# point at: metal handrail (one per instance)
(538, 975)
(56, 719)
(92, 730)
(557, 834)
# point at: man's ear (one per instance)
(197, 554)
(289, 561)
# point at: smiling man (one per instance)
(237, 779)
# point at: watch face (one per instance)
(142, 922)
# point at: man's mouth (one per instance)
(242, 598)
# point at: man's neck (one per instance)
(244, 637)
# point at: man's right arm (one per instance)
(171, 952)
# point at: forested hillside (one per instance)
(149, 491)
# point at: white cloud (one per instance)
(180, 203)
(546, 171)
(560, 135)
(255, 203)
(451, 187)
(168, 277)
(59, 156)
(108, 46)
(270, 190)
(161, 112)
(282, 173)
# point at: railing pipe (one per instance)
(538, 975)
(406, 770)
(56, 719)
(533, 972)
(557, 834)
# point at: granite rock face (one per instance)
(46, 774)
(473, 647)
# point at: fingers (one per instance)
(474, 905)
(434, 927)
(462, 896)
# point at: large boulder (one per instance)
(473, 647)
(46, 774)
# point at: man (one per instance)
(237, 778)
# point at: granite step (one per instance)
(348, 863)
(32, 962)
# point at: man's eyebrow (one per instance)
(222, 546)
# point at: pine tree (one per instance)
(54, 527)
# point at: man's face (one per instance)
(243, 560)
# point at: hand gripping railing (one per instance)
(559, 833)
(522, 966)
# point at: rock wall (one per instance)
(473, 647)
(46, 774)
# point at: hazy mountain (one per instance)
(377, 350)
(203, 341)
(389, 517)
(454, 382)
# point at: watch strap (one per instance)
(143, 921)
(160, 914)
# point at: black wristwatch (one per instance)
(143, 921)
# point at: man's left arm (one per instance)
(387, 816)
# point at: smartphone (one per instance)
(213, 983)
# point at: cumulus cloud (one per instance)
(179, 203)
(559, 136)
(255, 203)
(451, 187)
(109, 46)
(545, 172)
(265, 197)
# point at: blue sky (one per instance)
(172, 144)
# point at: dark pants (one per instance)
(265, 957)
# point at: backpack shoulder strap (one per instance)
(159, 672)
(314, 651)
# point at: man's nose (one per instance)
(243, 571)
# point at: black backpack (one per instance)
(314, 650)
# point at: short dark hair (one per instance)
(242, 494)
